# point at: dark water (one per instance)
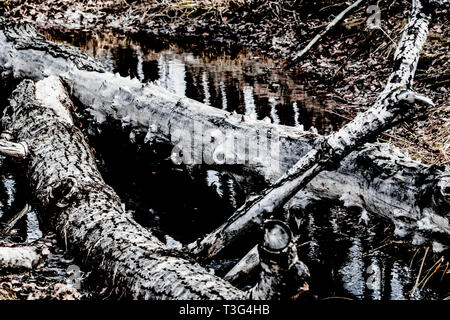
(12, 200)
(347, 259)
(225, 78)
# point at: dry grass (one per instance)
(432, 267)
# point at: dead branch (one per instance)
(396, 103)
(330, 26)
(73, 200)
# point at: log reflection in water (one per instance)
(239, 81)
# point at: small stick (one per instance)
(416, 285)
(12, 222)
(13, 149)
(333, 23)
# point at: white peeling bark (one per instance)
(395, 104)
(18, 258)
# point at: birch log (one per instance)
(18, 258)
(159, 115)
(73, 199)
(396, 103)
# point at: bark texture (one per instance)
(396, 103)
(283, 275)
(87, 213)
(73, 199)
(377, 186)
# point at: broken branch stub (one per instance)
(72, 199)
(13, 149)
(282, 275)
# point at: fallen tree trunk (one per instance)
(87, 213)
(19, 258)
(376, 181)
(395, 104)
(73, 199)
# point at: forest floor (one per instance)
(351, 63)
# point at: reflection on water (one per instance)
(12, 200)
(33, 231)
(239, 81)
(352, 277)
(354, 262)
